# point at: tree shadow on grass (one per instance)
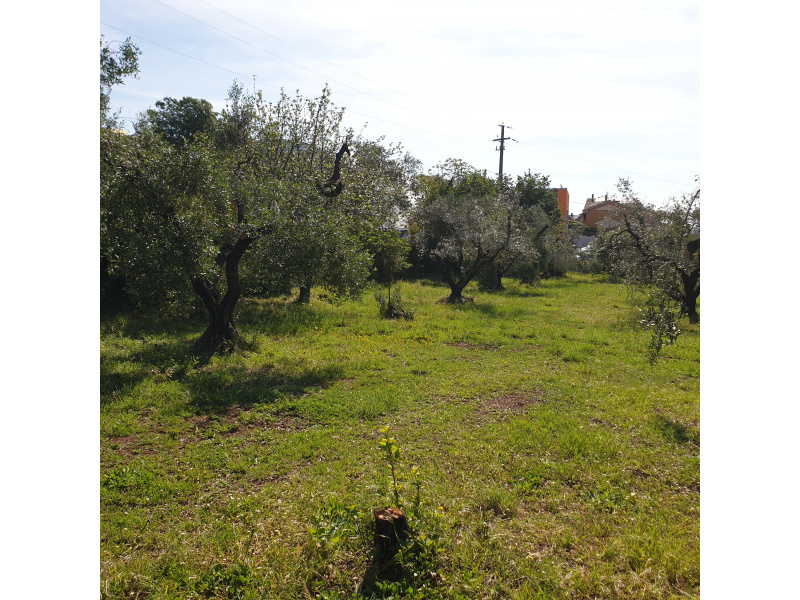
(137, 324)
(217, 391)
(164, 346)
(485, 308)
(524, 291)
(210, 389)
(126, 370)
(675, 431)
(490, 309)
(275, 317)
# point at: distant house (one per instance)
(600, 213)
(563, 200)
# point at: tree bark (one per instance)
(221, 333)
(465, 276)
(691, 292)
(455, 296)
(457, 284)
(304, 296)
(391, 528)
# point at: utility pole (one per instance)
(502, 140)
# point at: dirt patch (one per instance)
(128, 445)
(228, 423)
(509, 404)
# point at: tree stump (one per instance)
(391, 527)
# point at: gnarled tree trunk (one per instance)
(221, 333)
(691, 292)
(464, 276)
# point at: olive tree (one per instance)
(659, 248)
(466, 234)
(170, 223)
(265, 194)
(326, 243)
(116, 63)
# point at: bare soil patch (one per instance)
(509, 404)
(129, 445)
(228, 423)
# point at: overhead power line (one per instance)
(349, 111)
(448, 109)
(267, 33)
(526, 145)
(235, 18)
(200, 60)
(460, 137)
(299, 66)
(591, 162)
(375, 82)
(614, 154)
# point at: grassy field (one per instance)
(554, 460)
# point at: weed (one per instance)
(392, 455)
(336, 521)
(661, 321)
(607, 500)
(124, 478)
(391, 305)
(224, 582)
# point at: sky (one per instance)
(589, 92)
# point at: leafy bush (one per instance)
(660, 318)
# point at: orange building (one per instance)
(603, 213)
(563, 200)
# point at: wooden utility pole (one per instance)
(502, 140)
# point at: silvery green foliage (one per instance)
(170, 217)
(660, 318)
(116, 63)
(464, 234)
(162, 215)
(659, 248)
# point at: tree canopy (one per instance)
(199, 207)
(274, 193)
(115, 65)
(534, 190)
(465, 224)
(179, 120)
(659, 248)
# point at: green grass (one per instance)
(555, 460)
